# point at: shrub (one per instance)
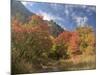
(31, 44)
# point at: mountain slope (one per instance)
(55, 29)
(18, 10)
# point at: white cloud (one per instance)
(89, 9)
(47, 16)
(54, 6)
(93, 8)
(81, 21)
(24, 3)
(30, 3)
(66, 12)
(84, 6)
(27, 3)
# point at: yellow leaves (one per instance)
(91, 38)
(89, 50)
(33, 40)
(87, 39)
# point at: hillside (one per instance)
(19, 10)
(55, 29)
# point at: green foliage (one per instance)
(30, 44)
(35, 20)
(33, 46)
(58, 52)
(61, 51)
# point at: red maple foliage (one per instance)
(74, 42)
(63, 38)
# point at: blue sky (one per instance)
(68, 16)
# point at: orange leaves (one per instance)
(63, 38)
(35, 38)
(74, 42)
(30, 26)
(36, 20)
(87, 39)
(32, 40)
(36, 17)
(16, 25)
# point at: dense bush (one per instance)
(87, 39)
(33, 46)
(73, 47)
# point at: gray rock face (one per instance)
(55, 29)
(19, 10)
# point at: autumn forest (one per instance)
(39, 45)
